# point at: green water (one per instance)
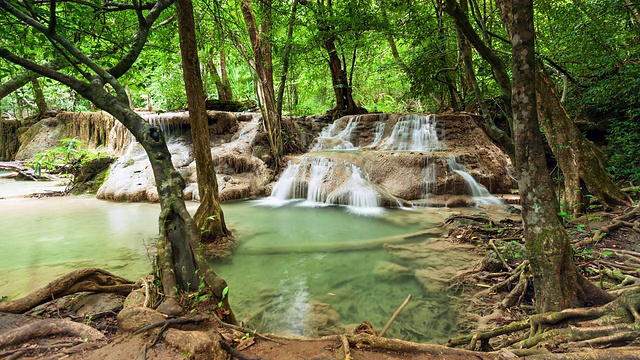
(275, 289)
(45, 238)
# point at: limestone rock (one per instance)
(133, 318)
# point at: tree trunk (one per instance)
(286, 57)
(221, 80)
(557, 283)
(445, 69)
(499, 72)
(578, 158)
(209, 217)
(224, 78)
(41, 102)
(264, 70)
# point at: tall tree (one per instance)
(557, 282)
(263, 56)
(209, 217)
(178, 264)
(581, 163)
(340, 80)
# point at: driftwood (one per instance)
(87, 279)
(19, 168)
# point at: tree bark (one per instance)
(209, 217)
(264, 70)
(41, 102)
(557, 283)
(286, 57)
(578, 158)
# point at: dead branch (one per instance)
(395, 315)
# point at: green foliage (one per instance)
(61, 157)
(624, 137)
(225, 291)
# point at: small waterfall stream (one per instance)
(479, 193)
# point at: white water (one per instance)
(377, 135)
(478, 192)
(163, 121)
(312, 178)
(331, 139)
(414, 133)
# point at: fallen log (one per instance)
(49, 327)
(81, 280)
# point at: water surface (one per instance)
(274, 277)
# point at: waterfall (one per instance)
(377, 135)
(167, 122)
(329, 140)
(413, 132)
(321, 181)
(479, 193)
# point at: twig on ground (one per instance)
(495, 248)
(345, 348)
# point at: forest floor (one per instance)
(498, 293)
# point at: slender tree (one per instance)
(557, 282)
(263, 57)
(209, 217)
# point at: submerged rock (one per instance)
(322, 320)
(386, 270)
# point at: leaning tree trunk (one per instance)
(499, 72)
(557, 283)
(209, 217)
(578, 158)
(264, 69)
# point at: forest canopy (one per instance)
(397, 56)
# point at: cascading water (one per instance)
(479, 193)
(413, 132)
(377, 135)
(321, 181)
(399, 165)
(340, 141)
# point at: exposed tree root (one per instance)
(365, 341)
(87, 279)
(49, 327)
